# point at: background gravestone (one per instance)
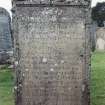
(100, 38)
(5, 35)
(52, 52)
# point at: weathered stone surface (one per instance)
(5, 35)
(52, 47)
(5, 30)
(56, 2)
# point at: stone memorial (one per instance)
(52, 51)
(5, 35)
(100, 38)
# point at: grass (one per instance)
(98, 79)
(6, 87)
(97, 82)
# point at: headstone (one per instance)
(5, 35)
(93, 35)
(100, 38)
(52, 52)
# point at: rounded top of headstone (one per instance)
(4, 12)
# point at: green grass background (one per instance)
(6, 87)
(97, 82)
(98, 79)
